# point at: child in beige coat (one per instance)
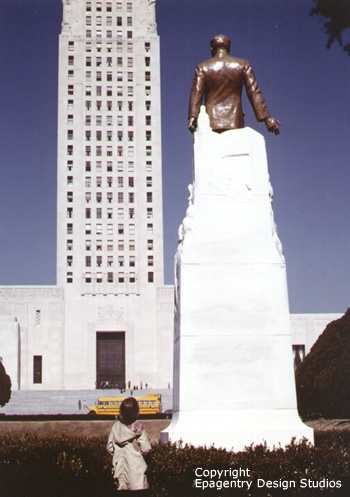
(127, 443)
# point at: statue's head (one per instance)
(220, 41)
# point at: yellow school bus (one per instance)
(109, 406)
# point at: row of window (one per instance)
(110, 230)
(121, 260)
(110, 214)
(99, 277)
(111, 277)
(119, 105)
(109, 34)
(109, 46)
(108, 5)
(108, 21)
(98, 166)
(109, 92)
(109, 151)
(109, 61)
(120, 245)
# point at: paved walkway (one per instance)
(28, 402)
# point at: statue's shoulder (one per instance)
(238, 60)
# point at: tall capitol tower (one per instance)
(109, 216)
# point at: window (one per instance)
(69, 196)
(99, 260)
(110, 277)
(149, 213)
(131, 229)
(87, 229)
(121, 261)
(87, 213)
(37, 368)
(149, 197)
(71, 60)
(98, 213)
(149, 244)
(149, 228)
(120, 229)
(98, 277)
(69, 277)
(131, 245)
(120, 277)
(147, 46)
(69, 260)
(148, 181)
(69, 180)
(148, 120)
(120, 197)
(69, 244)
(150, 277)
(148, 76)
(131, 213)
(150, 260)
(147, 61)
(69, 212)
(87, 244)
(148, 135)
(131, 197)
(98, 229)
(69, 228)
(132, 261)
(87, 277)
(110, 245)
(37, 317)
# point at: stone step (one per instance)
(67, 401)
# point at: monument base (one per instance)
(236, 430)
(233, 362)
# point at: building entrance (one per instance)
(110, 360)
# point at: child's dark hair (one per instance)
(129, 411)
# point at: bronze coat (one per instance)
(220, 81)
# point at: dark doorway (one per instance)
(110, 360)
(37, 369)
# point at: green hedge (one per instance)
(77, 467)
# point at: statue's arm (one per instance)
(196, 99)
(257, 101)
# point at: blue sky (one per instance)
(305, 86)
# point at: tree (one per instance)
(336, 19)
(5, 385)
(323, 378)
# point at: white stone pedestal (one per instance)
(233, 363)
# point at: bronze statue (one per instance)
(220, 81)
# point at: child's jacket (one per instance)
(127, 444)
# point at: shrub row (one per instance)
(63, 466)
